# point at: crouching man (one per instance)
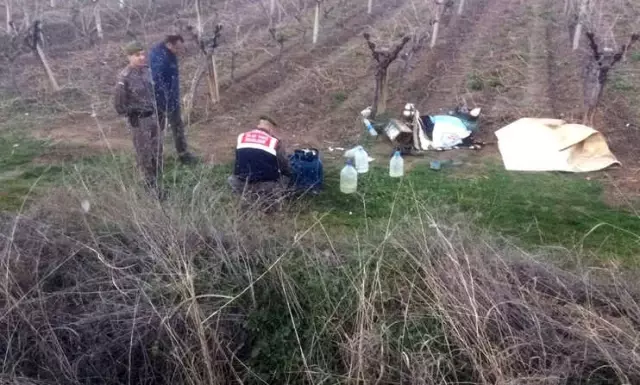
(261, 167)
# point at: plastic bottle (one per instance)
(372, 131)
(348, 179)
(362, 160)
(396, 165)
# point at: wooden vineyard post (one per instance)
(212, 80)
(199, 26)
(207, 48)
(34, 41)
(8, 19)
(581, 16)
(316, 22)
(98, 18)
(369, 7)
(383, 59)
(210, 60)
(460, 7)
(436, 23)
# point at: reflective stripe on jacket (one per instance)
(256, 157)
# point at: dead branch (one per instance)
(441, 7)
(418, 40)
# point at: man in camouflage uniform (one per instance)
(134, 98)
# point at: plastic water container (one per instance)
(396, 165)
(372, 131)
(348, 179)
(362, 160)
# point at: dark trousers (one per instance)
(147, 141)
(267, 194)
(174, 120)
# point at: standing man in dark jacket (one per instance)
(163, 60)
(134, 99)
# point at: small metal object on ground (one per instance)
(439, 164)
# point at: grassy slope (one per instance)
(542, 209)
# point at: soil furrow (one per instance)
(272, 75)
(538, 100)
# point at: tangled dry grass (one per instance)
(199, 292)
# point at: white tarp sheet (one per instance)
(534, 144)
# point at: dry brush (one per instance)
(197, 292)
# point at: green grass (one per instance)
(18, 174)
(475, 82)
(543, 209)
(538, 209)
(622, 83)
(338, 98)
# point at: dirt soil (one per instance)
(513, 58)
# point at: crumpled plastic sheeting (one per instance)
(538, 144)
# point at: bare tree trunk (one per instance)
(384, 94)
(383, 59)
(370, 7)
(96, 14)
(272, 8)
(47, 68)
(9, 13)
(316, 23)
(376, 97)
(578, 32)
(460, 7)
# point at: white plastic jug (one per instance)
(348, 179)
(372, 131)
(396, 165)
(362, 160)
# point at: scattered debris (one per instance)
(86, 206)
